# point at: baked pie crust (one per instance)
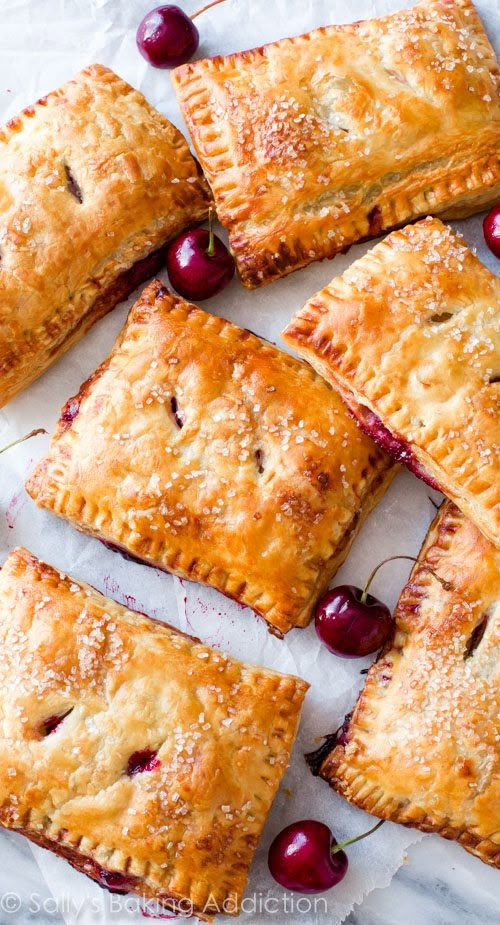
(93, 183)
(87, 687)
(315, 142)
(410, 336)
(422, 747)
(205, 451)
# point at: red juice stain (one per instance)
(14, 508)
(111, 585)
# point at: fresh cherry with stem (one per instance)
(491, 230)
(199, 264)
(305, 856)
(353, 623)
(167, 36)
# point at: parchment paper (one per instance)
(42, 45)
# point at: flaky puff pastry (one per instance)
(410, 335)
(422, 746)
(93, 183)
(145, 758)
(203, 450)
(312, 143)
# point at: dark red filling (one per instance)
(73, 185)
(113, 547)
(143, 269)
(476, 636)
(70, 410)
(145, 760)
(111, 880)
(52, 723)
(375, 223)
(341, 734)
(401, 451)
(176, 411)
(316, 758)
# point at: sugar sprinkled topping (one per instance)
(308, 132)
(191, 732)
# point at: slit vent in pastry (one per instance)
(203, 450)
(422, 746)
(94, 182)
(313, 143)
(146, 759)
(410, 336)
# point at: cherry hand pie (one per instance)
(93, 183)
(410, 336)
(146, 759)
(422, 746)
(205, 451)
(315, 142)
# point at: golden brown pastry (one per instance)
(410, 336)
(203, 450)
(312, 143)
(93, 183)
(422, 746)
(145, 758)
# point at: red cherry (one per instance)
(491, 230)
(199, 265)
(300, 858)
(305, 856)
(166, 37)
(351, 623)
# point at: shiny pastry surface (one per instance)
(202, 449)
(93, 183)
(145, 758)
(315, 142)
(422, 746)
(410, 335)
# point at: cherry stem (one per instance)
(33, 433)
(211, 237)
(205, 8)
(446, 584)
(350, 841)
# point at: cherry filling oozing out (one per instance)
(113, 547)
(147, 266)
(145, 760)
(316, 758)
(111, 880)
(371, 424)
(70, 410)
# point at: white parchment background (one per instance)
(43, 44)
